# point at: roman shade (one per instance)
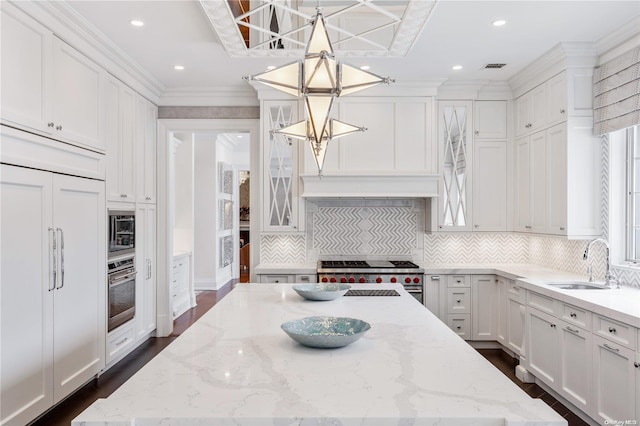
(616, 90)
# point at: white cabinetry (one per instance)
(531, 111)
(575, 364)
(489, 185)
(146, 116)
(53, 288)
(502, 324)
(457, 305)
(542, 346)
(435, 287)
(121, 160)
(515, 318)
(181, 284)
(287, 278)
(48, 86)
(485, 307)
(490, 120)
(146, 267)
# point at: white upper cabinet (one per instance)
(531, 111)
(489, 185)
(490, 120)
(557, 99)
(146, 115)
(25, 71)
(47, 86)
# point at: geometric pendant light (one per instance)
(319, 79)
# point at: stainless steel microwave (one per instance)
(122, 232)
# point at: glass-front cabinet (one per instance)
(280, 167)
(455, 149)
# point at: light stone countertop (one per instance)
(235, 366)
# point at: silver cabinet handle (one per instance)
(435, 277)
(61, 258)
(476, 226)
(573, 315)
(50, 124)
(552, 325)
(612, 330)
(121, 341)
(572, 330)
(562, 228)
(53, 268)
(561, 111)
(147, 198)
(610, 348)
(528, 227)
(636, 364)
(148, 269)
(59, 127)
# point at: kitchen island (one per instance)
(235, 366)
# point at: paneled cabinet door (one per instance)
(531, 111)
(280, 167)
(523, 195)
(146, 115)
(146, 261)
(613, 381)
(637, 367)
(456, 163)
(26, 306)
(79, 302)
(502, 318)
(556, 175)
(490, 120)
(120, 131)
(434, 288)
(515, 324)
(543, 346)
(489, 186)
(77, 97)
(25, 70)
(557, 99)
(538, 182)
(485, 303)
(575, 365)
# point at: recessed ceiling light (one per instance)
(498, 22)
(365, 67)
(456, 67)
(240, 136)
(271, 67)
(136, 23)
(178, 67)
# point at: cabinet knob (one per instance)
(612, 330)
(552, 325)
(147, 197)
(58, 127)
(573, 314)
(562, 228)
(50, 124)
(277, 281)
(458, 281)
(459, 327)
(636, 364)
(476, 226)
(561, 111)
(528, 227)
(476, 132)
(458, 300)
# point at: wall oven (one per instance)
(122, 233)
(122, 291)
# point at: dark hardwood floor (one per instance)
(106, 384)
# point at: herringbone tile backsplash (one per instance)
(282, 248)
(475, 248)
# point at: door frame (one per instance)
(165, 199)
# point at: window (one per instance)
(633, 194)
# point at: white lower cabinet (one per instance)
(180, 284)
(287, 278)
(516, 313)
(542, 346)
(501, 312)
(460, 324)
(614, 381)
(146, 267)
(434, 287)
(637, 367)
(575, 364)
(52, 310)
(485, 307)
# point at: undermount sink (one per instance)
(578, 285)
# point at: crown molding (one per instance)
(619, 41)
(74, 29)
(209, 96)
(554, 61)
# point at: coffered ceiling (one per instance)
(419, 44)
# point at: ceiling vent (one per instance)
(494, 66)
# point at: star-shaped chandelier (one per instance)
(319, 79)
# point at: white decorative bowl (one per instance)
(325, 332)
(322, 291)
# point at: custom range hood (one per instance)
(379, 185)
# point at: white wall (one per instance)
(184, 198)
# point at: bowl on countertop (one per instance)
(325, 332)
(322, 291)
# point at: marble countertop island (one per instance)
(235, 366)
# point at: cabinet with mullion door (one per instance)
(48, 87)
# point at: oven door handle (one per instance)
(120, 280)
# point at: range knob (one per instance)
(362, 280)
(407, 280)
(333, 279)
(416, 280)
(343, 280)
(393, 279)
(352, 280)
(324, 279)
(378, 280)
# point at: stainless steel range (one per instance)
(410, 275)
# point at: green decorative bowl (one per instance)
(325, 332)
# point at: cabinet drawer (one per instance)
(515, 291)
(460, 324)
(458, 280)
(306, 278)
(543, 303)
(119, 342)
(275, 279)
(459, 301)
(576, 316)
(615, 331)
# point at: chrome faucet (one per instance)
(609, 277)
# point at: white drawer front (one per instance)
(514, 289)
(458, 280)
(575, 315)
(461, 324)
(615, 331)
(120, 342)
(276, 279)
(543, 303)
(459, 300)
